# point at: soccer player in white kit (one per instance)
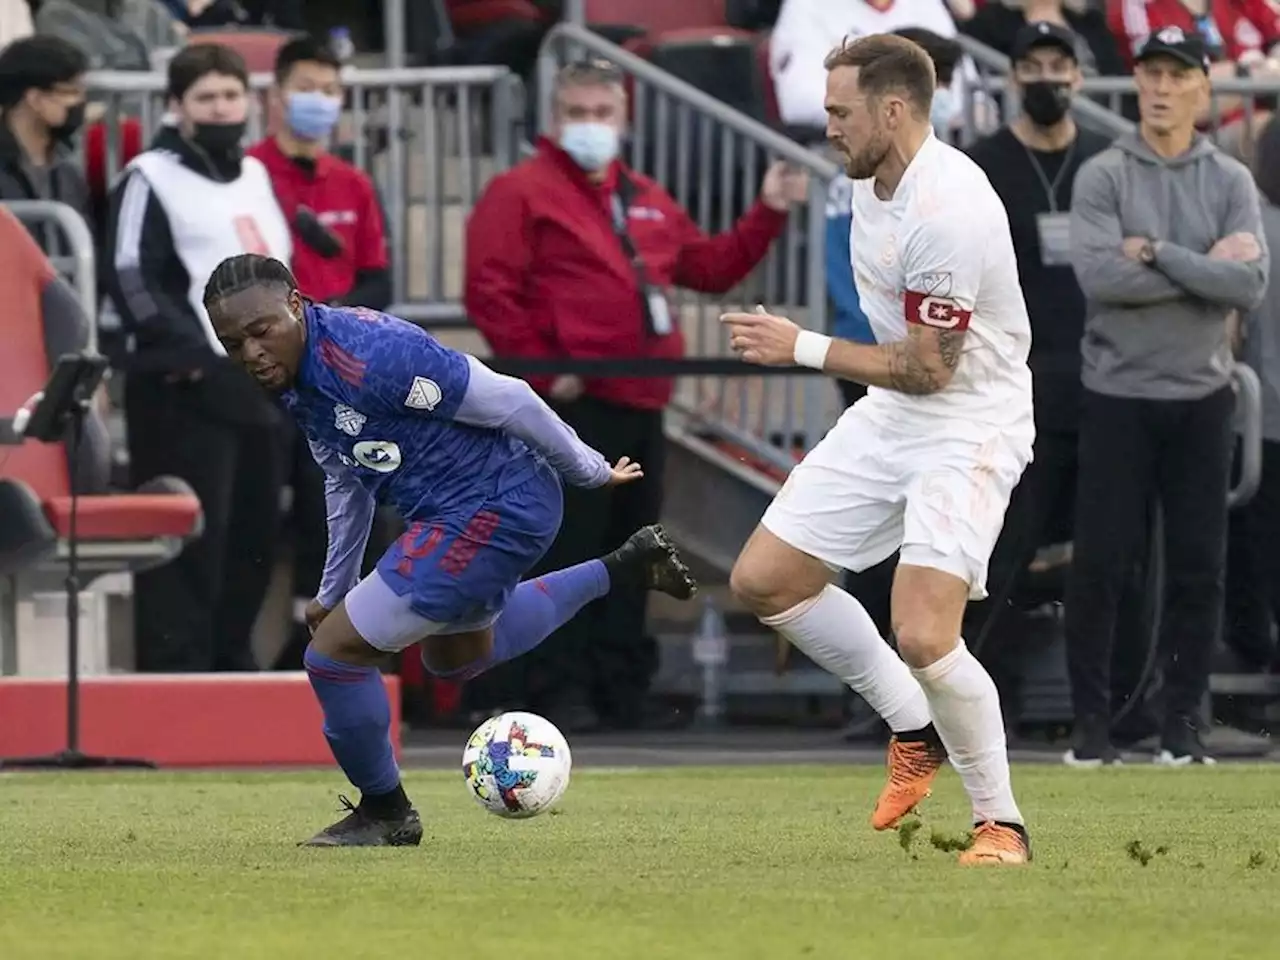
(926, 462)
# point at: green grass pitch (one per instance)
(734, 863)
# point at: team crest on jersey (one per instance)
(423, 395)
(380, 455)
(349, 421)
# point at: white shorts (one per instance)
(866, 491)
(386, 622)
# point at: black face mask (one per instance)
(70, 124)
(219, 139)
(1046, 102)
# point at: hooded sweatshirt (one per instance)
(1262, 326)
(1159, 332)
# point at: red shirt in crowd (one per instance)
(343, 199)
(546, 276)
(1232, 27)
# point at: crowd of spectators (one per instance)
(583, 267)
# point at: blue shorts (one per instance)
(455, 574)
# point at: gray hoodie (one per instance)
(1160, 332)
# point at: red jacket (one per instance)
(546, 275)
(343, 199)
(1243, 25)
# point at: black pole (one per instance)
(72, 583)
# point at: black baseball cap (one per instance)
(1188, 48)
(1042, 33)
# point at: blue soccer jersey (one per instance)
(395, 417)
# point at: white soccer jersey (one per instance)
(939, 253)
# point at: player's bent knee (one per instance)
(928, 607)
(771, 577)
(338, 639)
(920, 644)
(451, 655)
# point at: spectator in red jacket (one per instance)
(1235, 31)
(572, 255)
(339, 238)
(1242, 37)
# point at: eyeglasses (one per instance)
(594, 69)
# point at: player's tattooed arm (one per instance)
(922, 362)
(925, 360)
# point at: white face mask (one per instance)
(593, 146)
(943, 111)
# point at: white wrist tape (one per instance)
(811, 349)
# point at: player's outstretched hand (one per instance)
(762, 338)
(315, 614)
(624, 471)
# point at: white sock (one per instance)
(966, 713)
(836, 632)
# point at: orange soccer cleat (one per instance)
(912, 766)
(997, 844)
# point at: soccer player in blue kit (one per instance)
(472, 460)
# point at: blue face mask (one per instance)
(593, 146)
(312, 115)
(943, 110)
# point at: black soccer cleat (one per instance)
(361, 828)
(1181, 745)
(650, 557)
(1091, 745)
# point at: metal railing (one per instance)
(1101, 102)
(712, 159)
(993, 71)
(80, 265)
(1233, 106)
(429, 138)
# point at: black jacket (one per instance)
(149, 285)
(66, 184)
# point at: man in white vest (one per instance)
(179, 209)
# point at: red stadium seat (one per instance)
(118, 532)
(658, 16)
(258, 46)
(467, 16)
(129, 132)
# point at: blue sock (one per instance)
(357, 721)
(537, 609)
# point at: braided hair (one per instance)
(244, 271)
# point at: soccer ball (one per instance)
(516, 765)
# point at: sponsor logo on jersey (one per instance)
(349, 421)
(380, 455)
(423, 395)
